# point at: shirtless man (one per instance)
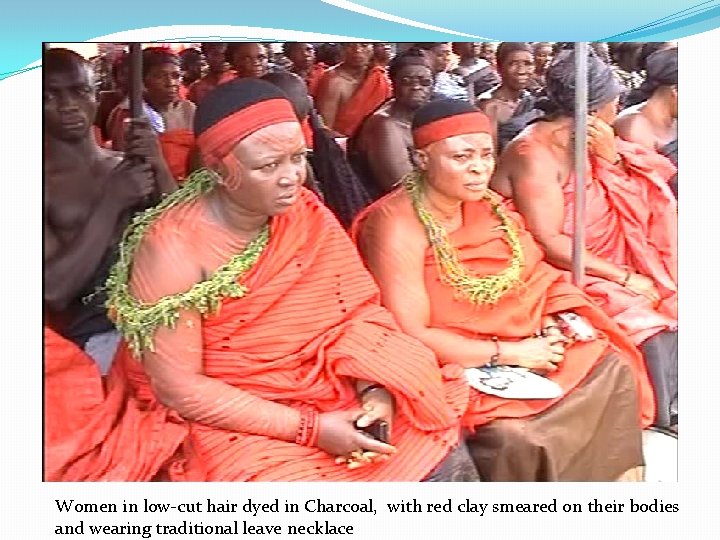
(248, 59)
(89, 194)
(218, 71)
(350, 92)
(385, 141)
(302, 56)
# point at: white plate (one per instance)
(512, 383)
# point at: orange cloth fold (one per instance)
(97, 433)
(518, 314)
(313, 78)
(309, 327)
(631, 221)
(375, 90)
(307, 133)
(200, 88)
(177, 147)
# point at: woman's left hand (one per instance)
(601, 139)
(550, 326)
(378, 405)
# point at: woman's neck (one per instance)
(161, 107)
(440, 205)
(658, 112)
(398, 112)
(71, 153)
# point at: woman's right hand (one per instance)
(338, 435)
(537, 353)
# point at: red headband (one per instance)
(450, 126)
(218, 141)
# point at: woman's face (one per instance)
(609, 111)
(459, 167)
(270, 169)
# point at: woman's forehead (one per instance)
(283, 137)
(473, 141)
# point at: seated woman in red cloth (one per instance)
(93, 430)
(170, 116)
(631, 216)
(246, 311)
(460, 273)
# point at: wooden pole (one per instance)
(581, 111)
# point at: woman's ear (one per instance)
(421, 158)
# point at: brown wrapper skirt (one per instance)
(592, 434)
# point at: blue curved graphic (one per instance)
(384, 20)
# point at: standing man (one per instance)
(302, 56)
(248, 59)
(219, 71)
(353, 90)
(90, 193)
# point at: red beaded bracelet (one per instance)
(307, 432)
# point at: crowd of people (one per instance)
(289, 265)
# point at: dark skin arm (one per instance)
(67, 271)
(328, 99)
(388, 157)
(489, 107)
(68, 268)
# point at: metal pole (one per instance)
(581, 111)
(136, 82)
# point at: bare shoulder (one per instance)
(529, 147)
(392, 221)
(384, 125)
(631, 122)
(527, 158)
(164, 262)
(333, 78)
